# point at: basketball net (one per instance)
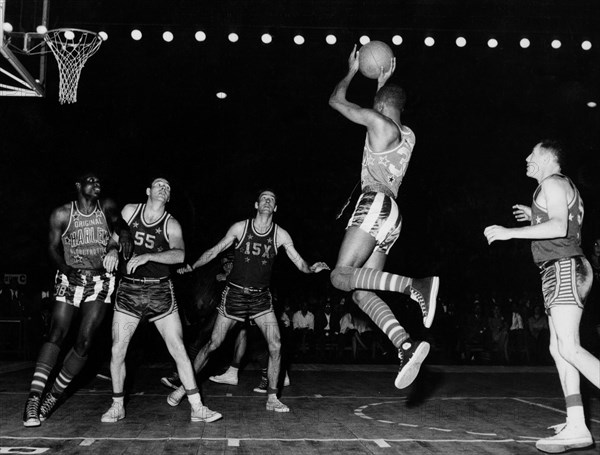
(71, 48)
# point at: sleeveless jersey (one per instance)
(85, 238)
(568, 246)
(253, 257)
(149, 238)
(387, 168)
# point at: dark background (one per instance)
(149, 108)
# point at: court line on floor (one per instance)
(15, 366)
(376, 441)
(544, 406)
(359, 412)
(303, 397)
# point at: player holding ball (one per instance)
(376, 222)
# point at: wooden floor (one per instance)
(345, 409)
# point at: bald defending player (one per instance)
(556, 218)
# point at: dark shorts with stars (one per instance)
(245, 304)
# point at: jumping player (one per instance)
(247, 295)
(375, 224)
(146, 291)
(85, 256)
(556, 218)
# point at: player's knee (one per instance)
(118, 352)
(82, 347)
(340, 278)
(359, 297)
(57, 336)
(275, 346)
(213, 344)
(568, 350)
(177, 350)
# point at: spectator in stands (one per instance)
(518, 346)
(498, 332)
(327, 329)
(363, 336)
(347, 330)
(539, 332)
(303, 323)
(474, 332)
(13, 300)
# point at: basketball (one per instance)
(372, 56)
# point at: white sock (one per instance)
(194, 399)
(575, 415)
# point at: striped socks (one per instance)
(351, 278)
(376, 280)
(381, 315)
(71, 367)
(43, 368)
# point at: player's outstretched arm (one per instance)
(353, 112)
(555, 197)
(234, 233)
(284, 240)
(338, 100)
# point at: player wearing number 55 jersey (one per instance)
(146, 291)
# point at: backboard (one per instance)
(23, 54)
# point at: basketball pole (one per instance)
(44, 56)
(34, 86)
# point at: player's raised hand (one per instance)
(385, 75)
(185, 269)
(353, 60)
(522, 212)
(318, 266)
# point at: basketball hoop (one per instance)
(71, 47)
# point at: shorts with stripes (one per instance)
(88, 286)
(566, 281)
(241, 305)
(153, 301)
(377, 214)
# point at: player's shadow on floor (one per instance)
(425, 386)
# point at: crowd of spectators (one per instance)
(470, 329)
